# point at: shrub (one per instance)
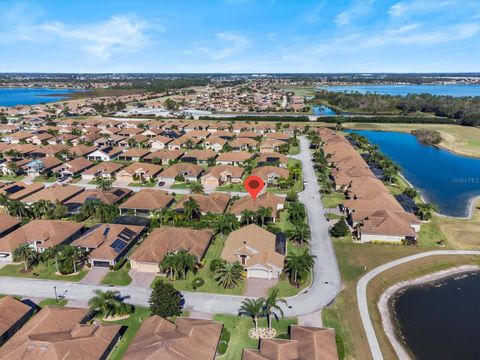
(119, 264)
(165, 300)
(225, 335)
(292, 196)
(197, 282)
(222, 348)
(340, 229)
(215, 264)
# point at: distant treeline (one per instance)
(465, 110)
(393, 119)
(161, 85)
(286, 118)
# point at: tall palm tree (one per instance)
(229, 275)
(252, 308)
(183, 262)
(248, 216)
(425, 211)
(296, 212)
(264, 213)
(109, 303)
(196, 188)
(299, 233)
(18, 209)
(298, 265)
(191, 209)
(26, 254)
(167, 265)
(226, 223)
(272, 307)
(104, 184)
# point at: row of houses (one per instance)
(56, 333)
(372, 211)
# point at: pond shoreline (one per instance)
(389, 322)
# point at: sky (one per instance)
(241, 36)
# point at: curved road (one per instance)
(323, 290)
(362, 292)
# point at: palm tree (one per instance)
(248, 216)
(110, 303)
(229, 275)
(191, 209)
(226, 223)
(252, 308)
(299, 233)
(298, 265)
(104, 184)
(296, 212)
(167, 265)
(425, 211)
(42, 209)
(196, 188)
(26, 254)
(183, 262)
(17, 208)
(271, 307)
(264, 213)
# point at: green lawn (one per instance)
(10, 178)
(180, 185)
(42, 179)
(238, 327)
(231, 187)
(142, 184)
(132, 325)
(119, 277)
(294, 150)
(45, 302)
(332, 200)
(210, 286)
(40, 272)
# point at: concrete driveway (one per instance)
(141, 279)
(258, 287)
(94, 276)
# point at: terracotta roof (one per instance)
(60, 333)
(135, 153)
(265, 172)
(7, 222)
(54, 193)
(18, 190)
(47, 232)
(138, 167)
(266, 200)
(187, 339)
(11, 311)
(383, 222)
(202, 155)
(107, 167)
(111, 197)
(163, 240)
(239, 156)
(218, 170)
(101, 237)
(164, 154)
(76, 165)
(213, 202)
(282, 159)
(256, 242)
(148, 199)
(180, 168)
(306, 343)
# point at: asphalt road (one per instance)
(324, 288)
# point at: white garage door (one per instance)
(257, 273)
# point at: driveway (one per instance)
(258, 287)
(94, 276)
(141, 279)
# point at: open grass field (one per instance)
(238, 327)
(40, 272)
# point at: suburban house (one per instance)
(271, 174)
(164, 240)
(220, 175)
(163, 156)
(8, 224)
(145, 201)
(234, 158)
(40, 234)
(267, 199)
(259, 251)
(54, 193)
(106, 170)
(73, 167)
(106, 153)
(19, 190)
(277, 136)
(215, 203)
(272, 158)
(13, 315)
(82, 150)
(305, 343)
(41, 166)
(198, 156)
(214, 143)
(188, 338)
(190, 172)
(133, 154)
(159, 142)
(62, 333)
(108, 243)
(111, 197)
(139, 172)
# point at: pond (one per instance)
(455, 90)
(31, 96)
(447, 180)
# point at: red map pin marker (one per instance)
(254, 185)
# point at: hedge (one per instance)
(387, 119)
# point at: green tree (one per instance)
(167, 265)
(340, 229)
(109, 303)
(299, 233)
(226, 223)
(25, 254)
(296, 212)
(297, 266)
(197, 188)
(191, 209)
(103, 184)
(165, 300)
(264, 213)
(229, 275)
(252, 308)
(272, 307)
(425, 211)
(184, 262)
(248, 216)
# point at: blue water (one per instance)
(322, 110)
(31, 96)
(445, 179)
(456, 90)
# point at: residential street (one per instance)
(326, 278)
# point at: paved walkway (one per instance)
(314, 319)
(362, 292)
(258, 287)
(326, 277)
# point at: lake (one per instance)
(445, 179)
(322, 110)
(31, 96)
(440, 320)
(456, 90)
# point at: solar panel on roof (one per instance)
(13, 189)
(126, 235)
(118, 245)
(118, 192)
(105, 232)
